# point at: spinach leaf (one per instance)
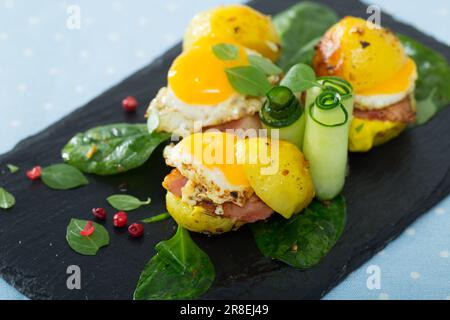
(159, 217)
(225, 51)
(305, 239)
(248, 81)
(179, 270)
(305, 54)
(432, 86)
(300, 28)
(112, 149)
(264, 65)
(86, 245)
(12, 168)
(426, 108)
(125, 202)
(299, 78)
(7, 200)
(63, 177)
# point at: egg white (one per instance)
(180, 118)
(204, 184)
(380, 101)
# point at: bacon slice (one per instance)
(245, 123)
(401, 111)
(255, 209)
(174, 181)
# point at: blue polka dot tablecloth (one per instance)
(48, 69)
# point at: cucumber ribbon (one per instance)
(284, 113)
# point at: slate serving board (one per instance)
(388, 189)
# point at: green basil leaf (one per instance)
(7, 200)
(179, 270)
(299, 78)
(225, 51)
(125, 202)
(12, 168)
(86, 245)
(299, 28)
(112, 149)
(248, 81)
(63, 177)
(159, 217)
(432, 87)
(264, 65)
(306, 238)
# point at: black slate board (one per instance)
(388, 189)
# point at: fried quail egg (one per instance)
(199, 94)
(371, 58)
(208, 161)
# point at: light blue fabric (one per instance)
(47, 70)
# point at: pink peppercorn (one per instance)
(129, 104)
(34, 173)
(99, 213)
(120, 219)
(136, 230)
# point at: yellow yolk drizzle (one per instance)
(400, 82)
(216, 150)
(198, 77)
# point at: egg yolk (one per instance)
(371, 58)
(216, 151)
(400, 82)
(198, 77)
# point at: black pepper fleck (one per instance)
(364, 44)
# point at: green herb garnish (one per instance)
(12, 168)
(63, 177)
(179, 270)
(7, 200)
(305, 239)
(248, 80)
(112, 149)
(264, 65)
(299, 78)
(225, 51)
(159, 217)
(125, 202)
(86, 245)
